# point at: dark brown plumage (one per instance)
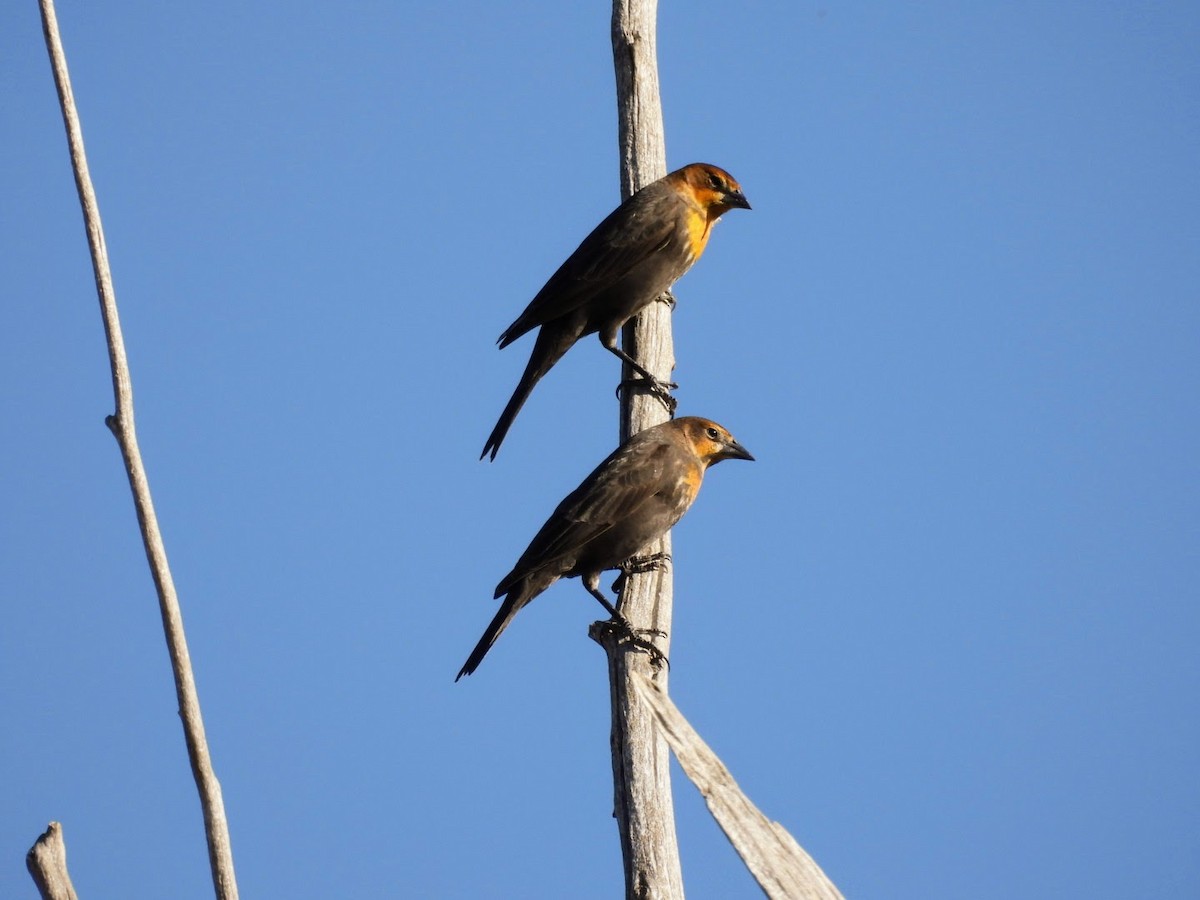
(632, 498)
(631, 258)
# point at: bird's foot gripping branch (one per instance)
(638, 565)
(652, 562)
(617, 630)
(661, 390)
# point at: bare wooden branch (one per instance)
(121, 423)
(780, 866)
(47, 863)
(641, 760)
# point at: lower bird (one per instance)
(630, 500)
(631, 258)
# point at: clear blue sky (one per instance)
(944, 630)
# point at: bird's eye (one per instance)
(713, 434)
(715, 182)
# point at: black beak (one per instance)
(734, 450)
(736, 199)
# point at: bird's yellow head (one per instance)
(710, 441)
(713, 189)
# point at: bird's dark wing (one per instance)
(632, 234)
(613, 493)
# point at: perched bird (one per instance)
(631, 258)
(632, 498)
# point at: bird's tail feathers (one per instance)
(514, 331)
(511, 606)
(548, 350)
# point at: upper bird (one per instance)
(631, 257)
(632, 498)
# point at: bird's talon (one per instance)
(631, 635)
(638, 564)
(659, 389)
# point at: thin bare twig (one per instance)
(121, 423)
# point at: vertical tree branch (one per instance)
(641, 758)
(121, 423)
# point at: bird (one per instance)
(642, 489)
(629, 260)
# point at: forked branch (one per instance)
(780, 866)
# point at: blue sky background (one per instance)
(944, 629)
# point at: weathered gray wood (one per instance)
(121, 423)
(780, 866)
(47, 863)
(641, 760)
